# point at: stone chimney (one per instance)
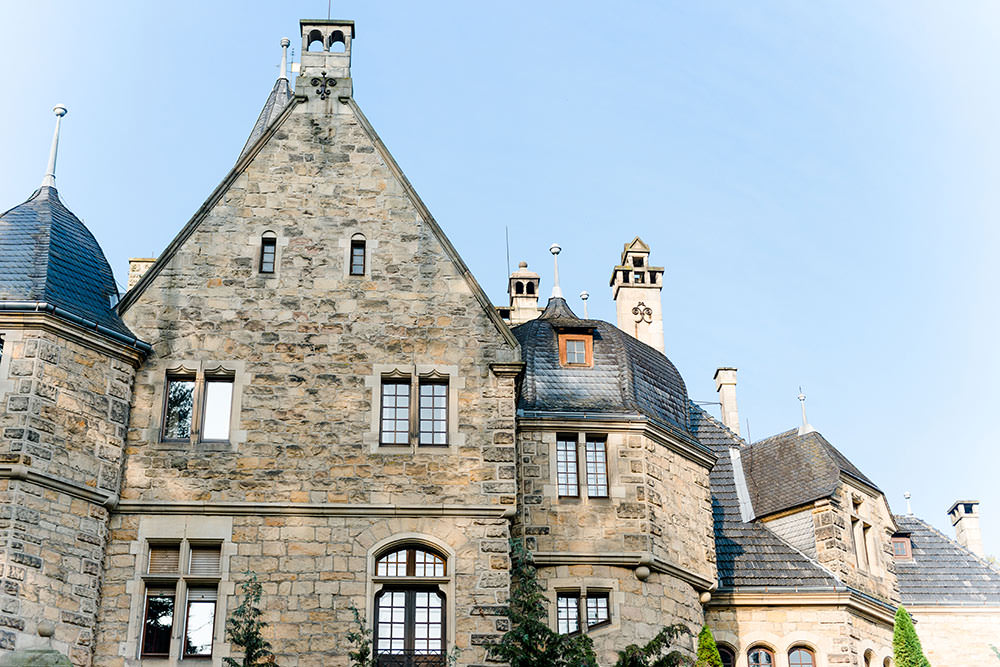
(523, 289)
(325, 64)
(636, 290)
(964, 516)
(137, 267)
(725, 384)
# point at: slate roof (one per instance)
(628, 377)
(943, 572)
(788, 470)
(276, 102)
(48, 255)
(748, 555)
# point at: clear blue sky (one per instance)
(819, 179)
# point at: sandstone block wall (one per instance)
(957, 636)
(65, 407)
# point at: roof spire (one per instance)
(555, 249)
(50, 173)
(584, 295)
(805, 428)
(909, 510)
(284, 58)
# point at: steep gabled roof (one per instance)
(748, 554)
(942, 572)
(789, 470)
(280, 97)
(47, 255)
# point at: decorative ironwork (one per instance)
(323, 84)
(643, 313)
(410, 658)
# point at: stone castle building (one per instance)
(309, 385)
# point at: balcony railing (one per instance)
(410, 658)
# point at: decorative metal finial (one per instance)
(584, 295)
(50, 173)
(284, 58)
(323, 85)
(555, 249)
(909, 510)
(805, 428)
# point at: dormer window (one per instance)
(901, 548)
(576, 350)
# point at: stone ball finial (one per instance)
(60, 110)
(642, 573)
(705, 597)
(46, 628)
(522, 265)
(555, 249)
(285, 42)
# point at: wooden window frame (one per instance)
(907, 548)
(145, 618)
(268, 242)
(407, 382)
(573, 448)
(199, 395)
(762, 649)
(805, 649)
(727, 651)
(594, 482)
(187, 622)
(588, 340)
(358, 244)
(595, 595)
(575, 597)
(433, 382)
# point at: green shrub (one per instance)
(708, 652)
(905, 643)
(656, 653)
(244, 628)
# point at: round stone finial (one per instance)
(584, 295)
(285, 42)
(642, 573)
(46, 628)
(522, 265)
(555, 249)
(705, 597)
(59, 110)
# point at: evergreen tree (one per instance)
(708, 652)
(530, 642)
(905, 643)
(361, 639)
(655, 654)
(244, 628)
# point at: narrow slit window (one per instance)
(568, 613)
(268, 247)
(199, 626)
(433, 413)
(598, 608)
(597, 468)
(566, 470)
(179, 408)
(357, 257)
(218, 408)
(395, 419)
(158, 621)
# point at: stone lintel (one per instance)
(632, 559)
(311, 509)
(55, 483)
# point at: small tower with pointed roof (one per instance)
(636, 290)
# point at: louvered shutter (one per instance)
(164, 558)
(203, 594)
(205, 560)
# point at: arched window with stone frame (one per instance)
(760, 656)
(801, 656)
(410, 583)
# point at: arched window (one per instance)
(887, 662)
(268, 247)
(410, 606)
(358, 255)
(728, 655)
(530, 288)
(869, 656)
(803, 657)
(760, 657)
(338, 44)
(518, 287)
(315, 41)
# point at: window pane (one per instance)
(433, 413)
(200, 622)
(597, 609)
(566, 472)
(158, 623)
(390, 633)
(218, 406)
(357, 258)
(728, 657)
(568, 612)
(427, 564)
(392, 564)
(427, 623)
(597, 468)
(576, 352)
(395, 412)
(180, 401)
(760, 658)
(801, 657)
(267, 248)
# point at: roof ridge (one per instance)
(774, 436)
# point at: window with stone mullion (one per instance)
(597, 467)
(567, 479)
(568, 613)
(395, 417)
(433, 412)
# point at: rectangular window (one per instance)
(179, 408)
(357, 258)
(158, 620)
(566, 469)
(597, 468)
(395, 419)
(1, 347)
(164, 559)
(901, 547)
(267, 249)
(199, 624)
(205, 560)
(568, 612)
(637, 262)
(433, 412)
(576, 352)
(218, 408)
(598, 609)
